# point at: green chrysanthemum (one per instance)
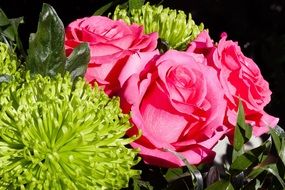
(56, 135)
(171, 25)
(8, 60)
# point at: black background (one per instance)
(257, 25)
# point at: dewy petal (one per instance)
(202, 42)
(99, 71)
(72, 31)
(146, 43)
(159, 117)
(87, 36)
(261, 122)
(136, 64)
(217, 135)
(124, 42)
(102, 49)
(133, 90)
(230, 59)
(153, 42)
(105, 26)
(159, 157)
(129, 93)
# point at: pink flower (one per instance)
(203, 44)
(241, 79)
(177, 102)
(111, 43)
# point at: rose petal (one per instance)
(158, 157)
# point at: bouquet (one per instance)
(137, 99)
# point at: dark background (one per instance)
(257, 25)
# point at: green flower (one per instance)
(8, 60)
(171, 25)
(58, 135)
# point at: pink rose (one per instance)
(203, 44)
(111, 43)
(241, 79)
(177, 102)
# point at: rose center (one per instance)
(182, 77)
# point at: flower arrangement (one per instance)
(138, 99)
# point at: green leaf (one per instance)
(278, 137)
(282, 151)
(46, 55)
(103, 9)
(3, 18)
(255, 172)
(238, 139)
(77, 62)
(15, 25)
(271, 168)
(255, 184)
(242, 134)
(247, 159)
(196, 175)
(135, 4)
(241, 116)
(221, 185)
(274, 171)
(245, 128)
(243, 162)
(140, 184)
(109, 4)
(9, 30)
(173, 173)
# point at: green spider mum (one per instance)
(171, 25)
(8, 60)
(58, 135)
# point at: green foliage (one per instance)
(58, 135)
(172, 26)
(173, 173)
(103, 9)
(132, 4)
(9, 62)
(243, 133)
(109, 5)
(221, 185)
(278, 137)
(46, 54)
(254, 168)
(197, 180)
(9, 31)
(135, 4)
(78, 60)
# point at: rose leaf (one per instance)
(225, 185)
(46, 53)
(197, 179)
(9, 30)
(278, 137)
(173, 173)
(77, 62)
(242, 133)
